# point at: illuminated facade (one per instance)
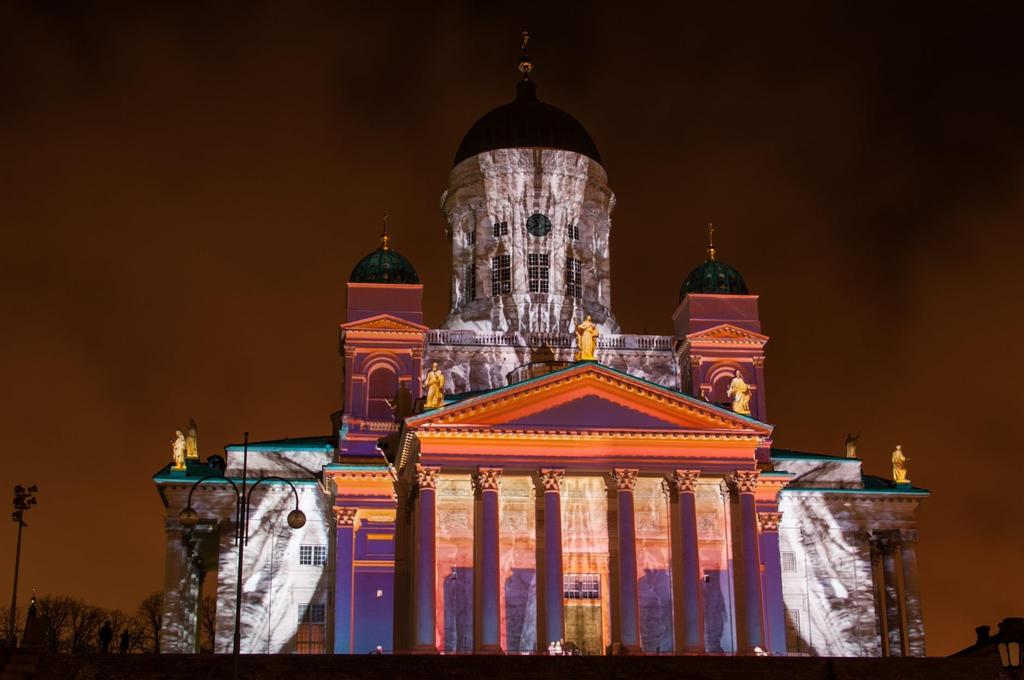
(615, 505)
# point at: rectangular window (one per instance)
(574, 232)
(501, 275)
(311, 636)
(500, 228)
(313, 555)
(581, 586)
(788, 562)
(573, 278)
(471, 237)
(538, 267)
(469, 283)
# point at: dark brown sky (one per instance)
(184, 191)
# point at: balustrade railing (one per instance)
(623, 341)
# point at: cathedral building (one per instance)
(529, 474)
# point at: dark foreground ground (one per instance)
(258, 667)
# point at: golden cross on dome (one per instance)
(711, 241)
(525, 63)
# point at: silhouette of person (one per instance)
(106, 636)
(125, 641)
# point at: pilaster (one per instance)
(424, 639)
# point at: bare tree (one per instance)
(84, 622)
(56, 612)
(150, 619)
(5, 623)
(208, 625)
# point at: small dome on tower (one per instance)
(714, 276)
(384, 265)
(526, 122)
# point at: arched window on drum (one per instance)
(382, 387)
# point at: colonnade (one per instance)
(687, 596)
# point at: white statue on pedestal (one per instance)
(192, 440)
(178, 450)
(740, 393)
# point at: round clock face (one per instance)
(538, 225)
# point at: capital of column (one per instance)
(757, 361)
(686, 480)
(345, 517)
(769, 521)
(426, 477)
(746, 480)
(694, 361)
(625, 478)
(488, 479)
(552, 478)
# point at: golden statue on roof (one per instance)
(586, 340)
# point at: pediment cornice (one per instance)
(503, 412)
(727, 334)
(383, 323)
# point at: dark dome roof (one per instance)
(384, 265)
(526, 122)
(714, 276)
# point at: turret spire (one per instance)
(525, 63)
(711, 241)
(385, 240)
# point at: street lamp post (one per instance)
(23, 500)
(1009, 657)
(189, 518)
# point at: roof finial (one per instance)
(385, 240)
(711, 241)
(525, 63)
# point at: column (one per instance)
(629, 600)
(424, 636)
(344, 520)
(554, 614)
(771, 582)
(751, 619)
(488, 574)
(911, 593)
(891, 597)
(689, 604)
(878, 581)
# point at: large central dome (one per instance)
(526, 122)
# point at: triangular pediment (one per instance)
(384, 323)
(588, 397)
(728, 334)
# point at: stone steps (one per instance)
(268, 667)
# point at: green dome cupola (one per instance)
(714, 276)
(384, 265)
